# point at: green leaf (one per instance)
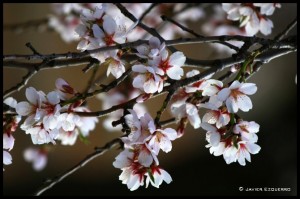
(151, 176)
(234, 140)
(83, 139)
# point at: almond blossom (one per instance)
(207, 86)
(169, 65)
(33, 108)
(147, 79)
(152, 50)
(216, 114)
(236, 96)
(242, 153)
(159, 175)
(250, 16)
(247, 130)
(38, 157)
(161, 139)
(186, 110)
(139, 158)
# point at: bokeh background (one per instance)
(194, 171)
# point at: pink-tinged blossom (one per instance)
(10, 123)
(134, 170)
(38, 157)
(116, 66)
(39, 135)
(169, 65)
(161, 139)
(64, 90)
(186, 110)
(159, 175)
(247, 130)
(152, 50)
(147, 79)
(240, 154)
(141, 128)
(250, 17)
(51, 108)
(236, 96)
(208, 87)
(216, 114)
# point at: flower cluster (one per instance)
(139, 158)
(226, 133)
(252, 16)
(48, 119)
(184, 107)
(158, 67)
(99, 29)
(66, 18)
(10, 124)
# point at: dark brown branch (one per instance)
(181, 41)
(147, 11)
(164, 106)
(24, 81)
(165, 18)
(51, 64)
(105, 88)
(98, 152)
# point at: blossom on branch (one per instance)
(236, 96)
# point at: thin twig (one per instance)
(105, 88)
(284, 33)
(180, 41)
(148, 10)
(24, 81)
(98, 152)
(164, 106)
(165, 18)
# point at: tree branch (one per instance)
(284, 33)
(165, 18)
(98, 152)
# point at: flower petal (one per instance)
(244, 103)
(248, 88)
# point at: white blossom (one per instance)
(236, 96)
(38, 157)
(247, 130)
(170, 65)
(147, 79)
(159, 175)
(185, 109)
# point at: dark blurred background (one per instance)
(194, 171)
